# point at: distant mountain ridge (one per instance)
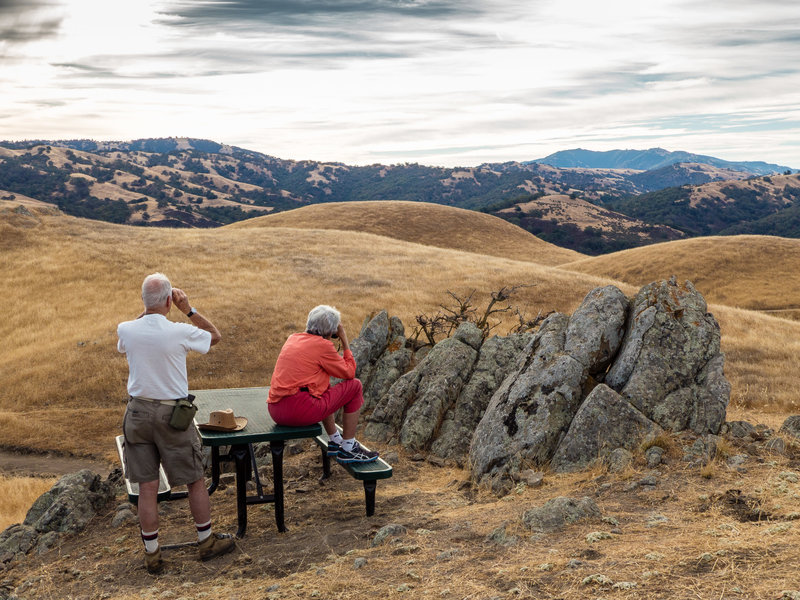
(188, 182)
(647, 160)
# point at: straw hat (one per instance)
(223, 420)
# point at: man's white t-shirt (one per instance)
(156, 350)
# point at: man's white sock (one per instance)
(336, 438)
(150, 539)
(347, 445)
(203, 530)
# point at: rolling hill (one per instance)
(574, 223)
(719, 207)
(753, 272)
(422, 223)
(186, 182)
(71, 280)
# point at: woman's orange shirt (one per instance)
(308, 360)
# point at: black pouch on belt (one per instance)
(183, 413)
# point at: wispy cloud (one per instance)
(420, 80)
(28, 20)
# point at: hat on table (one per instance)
(223, 420)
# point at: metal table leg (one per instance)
(276, 448)
(369, 495)
(214, 470)
(241, 457)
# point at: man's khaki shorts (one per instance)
(149, 440)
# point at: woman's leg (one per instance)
(348, 395)
(303, 409)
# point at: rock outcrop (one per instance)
(64, 509)
(532, 410)
(413, 408)
(670, 366)
(601, 380)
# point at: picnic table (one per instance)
(252, 404)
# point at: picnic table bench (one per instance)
(251, 403)
(369, 473)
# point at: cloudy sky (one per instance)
(440, 82)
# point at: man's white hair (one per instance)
(156, 288)
(323, 320)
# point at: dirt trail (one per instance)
(51, 465)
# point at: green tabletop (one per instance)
(252, 404)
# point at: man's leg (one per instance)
(148, 505)
(199, 504)
(148, 522)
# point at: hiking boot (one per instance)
(333, 448)
(215, 545)
(356, 455)
(153, 562)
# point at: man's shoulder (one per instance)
(125, 325)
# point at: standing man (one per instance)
(156, 350)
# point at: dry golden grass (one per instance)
(71, 281)
(671, 542)
(422, 223)
(745, 271)
(17, 494)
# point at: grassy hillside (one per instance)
(748, 271)
(716, 207)
(72, 280)
(422, 223)
(574, 223)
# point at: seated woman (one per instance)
(300, 392)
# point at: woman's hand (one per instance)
(343, 337)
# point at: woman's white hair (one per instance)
(323, 320)
(156, 288)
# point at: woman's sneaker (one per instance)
(356, 455)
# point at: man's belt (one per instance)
(154, 401)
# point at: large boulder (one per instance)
(596, 329)
(66, 508)
(371, 342)
(532, 410)
(387, 368)
(70, 504)
(381, 356)
(670, 366)
(413, 408)
(498, 357)
(604, 422)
